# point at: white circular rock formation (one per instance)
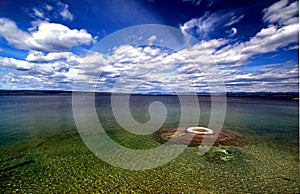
(200, 130)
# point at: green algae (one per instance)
(224, 154)
(66, 165)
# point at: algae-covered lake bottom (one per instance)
(41, 150)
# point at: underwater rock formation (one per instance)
(182, 136)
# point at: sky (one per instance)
(195, 46)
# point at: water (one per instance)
(23, 117)
(43, 126)
(264, 117)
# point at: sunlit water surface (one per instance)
(42, 127)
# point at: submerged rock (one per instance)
(223, 155)
(182, 136)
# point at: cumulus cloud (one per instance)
(47, 37)
(51, 65)
(177, 71)
(14, 36)
(37, 56)
(22, 74)
(149, 68)
(16, 64)
(57, 37)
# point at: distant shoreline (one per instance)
(293, 95)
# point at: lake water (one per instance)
(42, 151)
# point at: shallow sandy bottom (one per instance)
(66, 165)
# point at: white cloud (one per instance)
(66, 14)
(188, 25)
(292, 47)
(47, 37)
(57, 37)
(271, 38)
(231, 32)
(15, 64)
(203, 48)
(50, 64)
(48, 7)
(209, 23)
(151, 39)
(21, 74)
(57, 10)
(38, 13)
(15, 36)
(37, 56)
(234, 20)
(267, 40)
(208, 3)
(282, 13)
(275, 78)
(154, 70)
(149, 68)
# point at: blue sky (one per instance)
(46, 45)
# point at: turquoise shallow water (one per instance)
(39, 141)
